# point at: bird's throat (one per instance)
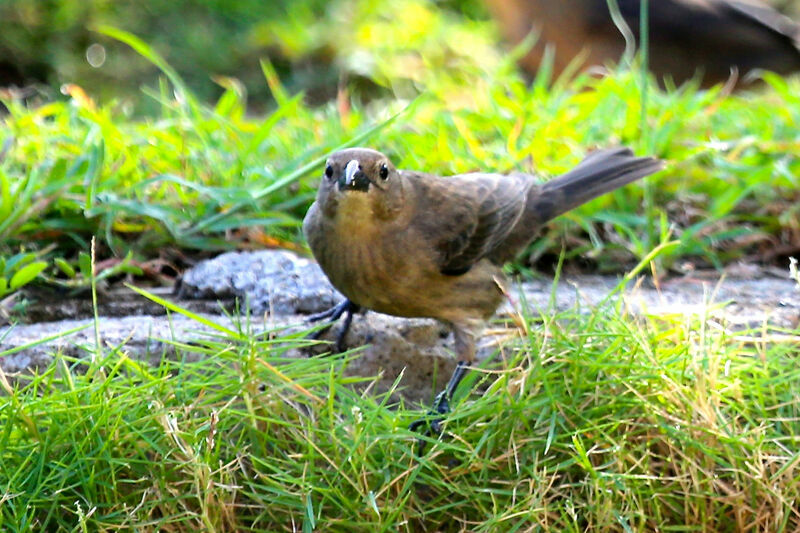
(355, 216)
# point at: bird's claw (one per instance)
(440, 407)
(345, 307)
(333, 313)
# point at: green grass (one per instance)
(199, 178)
(601, 421)
(598, 421)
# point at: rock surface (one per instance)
(281, 288)
(272, 281)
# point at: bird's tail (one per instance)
(600, 172)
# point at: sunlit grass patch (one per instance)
(593, 420)
(596, 420)
(199, 177)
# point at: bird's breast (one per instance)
(372, 265)
(392, 269)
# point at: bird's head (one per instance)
(360, 182)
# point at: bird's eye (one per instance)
(384, 172)
(329, 171)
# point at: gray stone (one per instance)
(388, 346)
(270, 281)
(282, 288)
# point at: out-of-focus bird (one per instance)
(709, 38)
(410, 244)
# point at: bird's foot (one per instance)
(345, 307)
(333, 313)
(440, 407)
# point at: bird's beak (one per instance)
(349, 172)
(354, 178)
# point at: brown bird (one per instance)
(410, 244)
(709, 38)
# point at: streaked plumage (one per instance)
(416, 245)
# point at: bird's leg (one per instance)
(465, 350)
(441, 404)
(333, 313)
(345, 307)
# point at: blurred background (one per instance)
(314, 45)
(97, 141)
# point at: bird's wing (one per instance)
(465, 217)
